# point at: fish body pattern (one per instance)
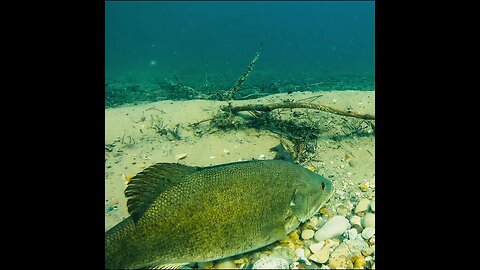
(181, 214)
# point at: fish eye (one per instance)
(322, 186)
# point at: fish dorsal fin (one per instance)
(147, 185)
(281, 153)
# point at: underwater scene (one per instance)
(240, 135)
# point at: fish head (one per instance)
(313, 192)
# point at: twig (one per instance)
(231, 92)
(294, 105)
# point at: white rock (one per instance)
(334, 227)
(307, 234)
(316, 247)
(300, 252)
(362, 205)
(368, 220)
(226, 151)
(180, 156)
(351, 234)
(356, 220)
(271, 262)
(368, 232)
(372, 206)
(322, 255)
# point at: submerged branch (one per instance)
(295, 105)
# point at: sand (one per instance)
(132, 144)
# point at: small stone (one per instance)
(226, 151)
(262, 157)
(307, 234)
(342, 211)
(356, 246)
(351, 163)
(271, 262)
(322, 255)
(368, 232)
(362, 205)
(360, 262)
(300, 252)
(368, 251)
(372, 206)
(316, 247)
(180, 156)
(364, 186)
(114, 201)
(351, 233)
(355, 220)
(357, 227)
(368, 220)
(212, 157)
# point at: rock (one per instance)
(355, 220)
(360, 262)
(357, 227)
(340, 263)
(322, 255)
(362, 205)
(271, 262)
(334, 227)
(368, 251)
(342, 211)
(368, 232)
(372, 206)
(307, 234)
(316, 247)
(341, 250)
(227, 264)
(300, 252)
(351, 233)
(180, 156)
(356, 246)
(368, 220)
(312, 224)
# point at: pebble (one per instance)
(351, 233)
(307, 234)
(334, 227)
(368, 232)
(355, 220)
(271, 262)
(342, 211)
(359, 263)
(362, 205)
(300, 252)
(356, 246)
(322, 255)
(114, 201)
(368, 251)
(262, 157)
(372, 206)
(180, 156)
(226, 151)
(316, 247)
(368, 220)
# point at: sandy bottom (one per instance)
(132, 144)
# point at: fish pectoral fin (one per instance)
(169, 266)
(147, 185)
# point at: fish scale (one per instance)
(209, 213)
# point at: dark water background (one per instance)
(153, 47)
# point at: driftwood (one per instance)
(295, 105)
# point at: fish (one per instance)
(181, 214)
